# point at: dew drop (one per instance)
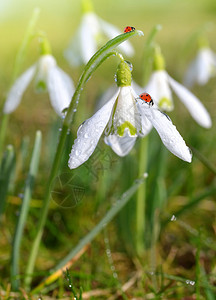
(74, 110)
(77, 152)
(129, 65)
(173, 218)
(115, 77)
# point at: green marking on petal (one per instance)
(45, 47)
(122, 127)
(165, 103)
(41, 86)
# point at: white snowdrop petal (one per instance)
(190, 76)
(146, 125)
(168, 133)
(17, 90)
(204, 66)
(60, 88)
(112, 31)
(158, 88)
(120, 145)
(73, 53)
(89, 134)
(138, 89)
(192, 103)
(87, 36)
(126, 112)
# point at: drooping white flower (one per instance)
(122, 119)
(202, 68)
(90, 36)
(48, 77)
(160, 87)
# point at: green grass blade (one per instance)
(24, 211)
(6, 170)
(194, 201)
(114, 210)
(203, 160)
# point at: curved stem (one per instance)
(91, 66)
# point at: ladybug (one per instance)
(129, 29)
(147, 98)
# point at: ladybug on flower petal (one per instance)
(147, 98)
(129, 29)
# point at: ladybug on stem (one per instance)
(147, 98)
(129, 29)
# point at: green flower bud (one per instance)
(123, 74)
(44, 46)
(159, 62)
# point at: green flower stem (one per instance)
(23, 212)
(148, 54)
(114, 210)
(29, 34)
(141, 198)
(91, 66)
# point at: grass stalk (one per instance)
(114, 210)
(24, 211)
(6, 170)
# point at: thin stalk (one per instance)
(114, 210)
(203, 160)
(29, 34)
(198, 269)
(91, 66)
(141, 198)
(24, 211)
(3, 129)
(148, 54)
(6, 170)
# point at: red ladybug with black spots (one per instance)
(129, 29)
(147, 98)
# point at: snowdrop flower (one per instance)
(123, 119)
(160, 85)
(48, 77)
(203, 67)
(90, 36)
